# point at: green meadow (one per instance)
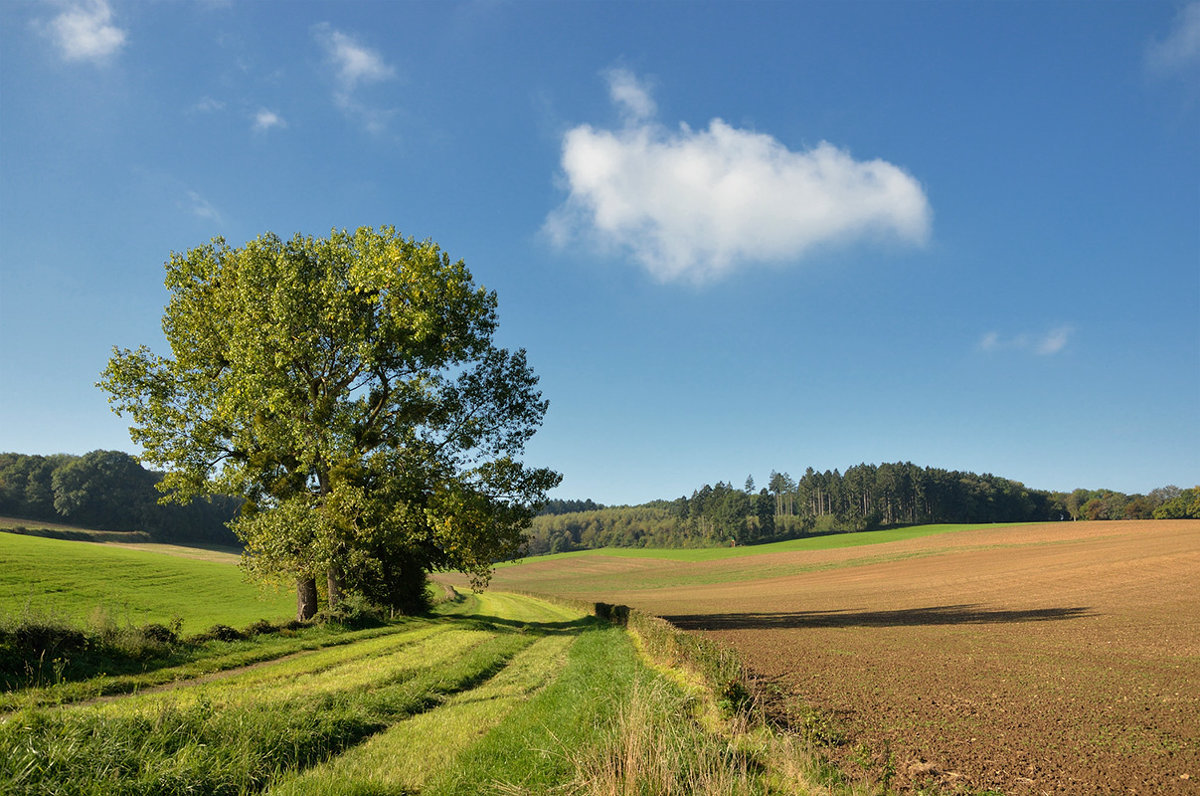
(823, 542)
(79, 580)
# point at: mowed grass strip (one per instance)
(208, 660)
(608, 724)
(531, 751)
(514, 610)
(204, 747)
(403, 758)
(328, 672)
(75, 579)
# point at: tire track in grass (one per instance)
(402, 758)
(315, 660)
(320, 674)
(531, 750)
(243, 655)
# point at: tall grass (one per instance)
(648, 750)
(44, 647)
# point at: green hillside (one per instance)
(823, 542)
(76, 579)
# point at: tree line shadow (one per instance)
(905, 617)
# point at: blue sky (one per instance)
(733, 237)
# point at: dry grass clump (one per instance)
(648, 751)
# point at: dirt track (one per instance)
(1056, 659)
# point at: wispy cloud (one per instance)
(1181, 47)
(265, 119)
(84, 31)
(630, 94)
(697, 204)
(201, 207)
(207, 105)
(1043, 344)
(353, 65)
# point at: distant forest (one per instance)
(864, 497)
(110, 490)
(107, 490)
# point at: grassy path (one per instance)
(429, 747)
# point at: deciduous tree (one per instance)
(349, 388)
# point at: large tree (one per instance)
(350, 389)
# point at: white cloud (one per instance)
(696, 205)
(1181, 47)
(1043, 344)
(630, 94)
(202, 208)
(265, 119)
(207, 105)
(353, 63)
(84, 31)
(1053, 341)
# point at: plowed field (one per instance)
(1048, 659)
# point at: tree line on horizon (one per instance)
(864, 497)
(111, 491)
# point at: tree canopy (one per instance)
(111, 491)
(350, 390)
(864, 497)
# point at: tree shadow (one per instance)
(565, 627)
(905, 617)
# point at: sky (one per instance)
(733, 237)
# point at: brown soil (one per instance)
(1049, 659)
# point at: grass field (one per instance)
(79, 579)
(491, 694)
(1057, 658)
(823, 542)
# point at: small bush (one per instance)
(218, 633)
(352, 612)
(38, 638)
(617, 614)
(735, 698)
(261, 628)
(225, 633)
(31, 643)
(160, 634)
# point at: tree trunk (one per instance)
(306, 598)
(334, 581)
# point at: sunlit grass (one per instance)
(824, 542)
(205, 748)
(412, 752)
(208, 659)
(401, 657)
(74, 578)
